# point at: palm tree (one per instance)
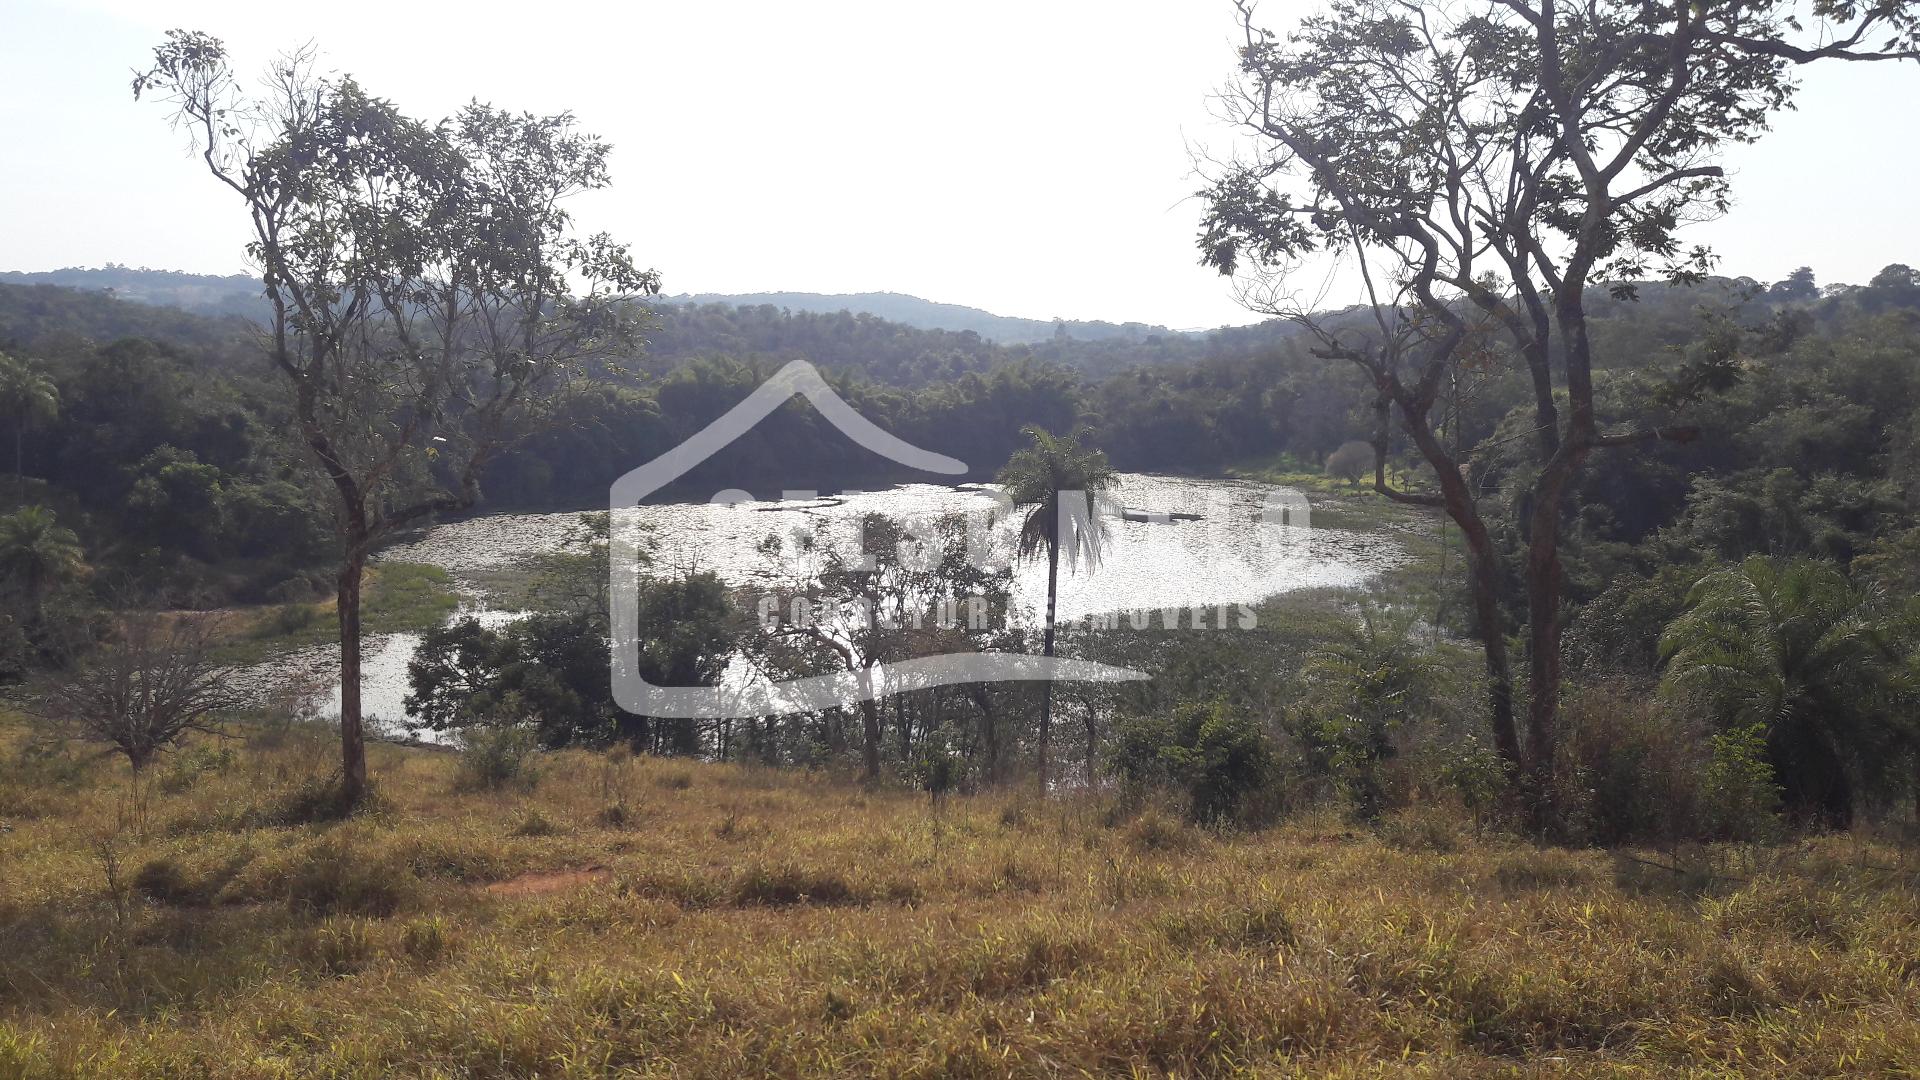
(38, 552)
(29, 400)
(1056, 472)
(1799, 650)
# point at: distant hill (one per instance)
(202, 294)
(239, 294)
(931, 315)
(887, 337)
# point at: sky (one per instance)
(1031, 158)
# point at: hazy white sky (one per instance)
(1030, 158)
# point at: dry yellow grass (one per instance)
(702, 920)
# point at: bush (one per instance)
(163, 881)
(1152, 831)
(1630, 769)
(498, 756)
(1739, 799)
(1367, 695)
(311, 801)
(1424, 829)
(290, 619)
(1217, 757)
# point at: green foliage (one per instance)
(1360, 693)
(497, 756)
(1039, 476)
(1738, 796)
(194, 763)
(551, 669)
(1219, 757)
(1797, 650)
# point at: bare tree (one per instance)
(146, 688)
(429, 298)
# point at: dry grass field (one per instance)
(641, 917)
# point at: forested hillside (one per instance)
(1817, 411)
(931, 315)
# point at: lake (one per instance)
(1220, 550)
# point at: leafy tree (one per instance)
(37, 553)
(1792, 647)
(1066, 484)
(1488, 166)
(1740, 798)
(421, 280)
(1896, 285)
(179, 501)
(550, 669)
(29, 400)
(1351, 461)
(1798, 285)
(688, 632)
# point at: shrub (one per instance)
(288, 619)
(1542, 869)
(427, 939)
(164, 881)
(1217, 757)
(1369, 692)
(1631, 768)
(1739, 799)
(1153, 831)
(784, 884)
(1424, 829)
(312, 801)
(497, 756)
(1351, 461)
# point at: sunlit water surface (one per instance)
(1235, 553)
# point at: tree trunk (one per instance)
(353, 750)
(870, 717)
(1484, 575)
(989, 731)
(1482, 580)
(1543, 627)
(1046, 649)
(20, 463)
(1093, 747)
(903, 720)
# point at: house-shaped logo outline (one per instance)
(635, 694)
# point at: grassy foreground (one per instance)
(647, 917)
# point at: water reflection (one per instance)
(1228, 556)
